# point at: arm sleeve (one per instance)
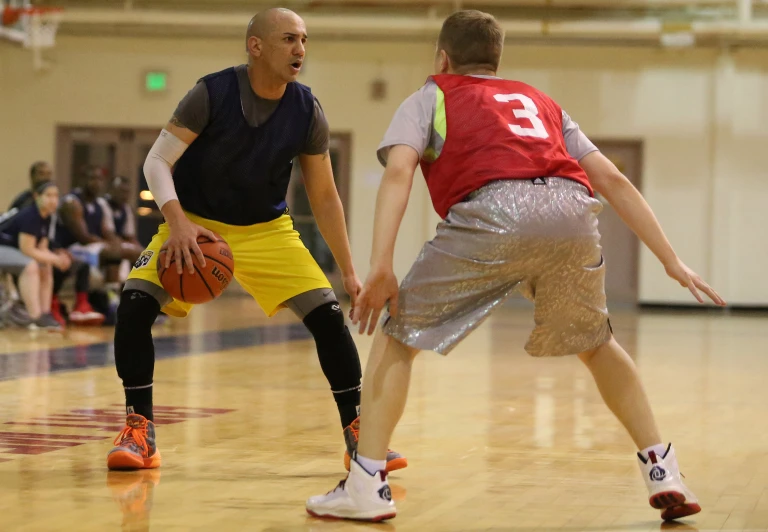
(157, 167)
(319, 138)
(194, 110)
(576, 142)
(412, 123)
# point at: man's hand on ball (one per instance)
(182, 243)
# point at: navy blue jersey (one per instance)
(238, 174)
(123, 219)
(93, 214)
(28, 221)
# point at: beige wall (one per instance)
(700, 115)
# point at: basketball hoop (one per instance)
(33, 27)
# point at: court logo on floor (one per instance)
(38, 437)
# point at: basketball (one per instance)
(207, 283)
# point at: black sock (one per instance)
(139, 401)
(134, 350)
(338, 358)
(348, 403)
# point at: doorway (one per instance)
(119, 152)
(621, 247)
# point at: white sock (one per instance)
(659, 449)
(370, 465)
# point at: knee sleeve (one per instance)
(134, 350)
(335, 347)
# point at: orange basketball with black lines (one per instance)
(207, 283)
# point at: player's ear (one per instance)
(442, 63)
(254, 46)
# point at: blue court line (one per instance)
(61, 359)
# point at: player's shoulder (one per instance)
(304, 92)
(307, 101)
(429, 88)
(306, 89)
(424, 96)
(217, 75)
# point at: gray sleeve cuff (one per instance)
(576, 142)
(412, 123)
(383, 151)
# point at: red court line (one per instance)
(115, 428)
(49, 436)
(31, 443)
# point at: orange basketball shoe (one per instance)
(135, 445)
(395, 460)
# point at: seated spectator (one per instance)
(24, 252)
(87, 228)
(122, 212)
(82, 314)
(124, 222)
(40, 172)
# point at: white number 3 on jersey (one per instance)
(529, 112)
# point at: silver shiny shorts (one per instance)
(541, 239)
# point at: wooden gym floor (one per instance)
(496, 440)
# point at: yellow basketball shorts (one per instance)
(271, 262)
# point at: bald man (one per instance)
(232, 141)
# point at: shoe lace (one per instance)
(339, 486)
(354, 428)
(132, 434)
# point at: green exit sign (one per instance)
(156, 81)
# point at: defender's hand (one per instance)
(691, 280)
(380, 287)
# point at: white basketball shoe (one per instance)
(666, 491)
(361, 496)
